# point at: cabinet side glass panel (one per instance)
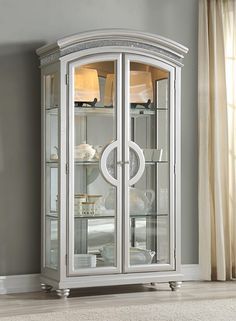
(94, 198)
(52, 135)
(51, 240)
(51, 161)
(149, 228)
(51, 90)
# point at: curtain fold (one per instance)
(216, 244)
(230, 56)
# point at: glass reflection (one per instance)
(149, 197)
(94, 198)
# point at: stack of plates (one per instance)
(82, 261)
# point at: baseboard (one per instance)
(31, 282)
(191, 272)
(19, 283)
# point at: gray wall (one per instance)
(26, 25)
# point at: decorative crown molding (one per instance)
(112, 38)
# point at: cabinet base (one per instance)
(63, 293)
(175, 285)
(113, 280)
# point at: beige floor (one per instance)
(38, 302)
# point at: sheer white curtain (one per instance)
(230, 56)
(216, 140)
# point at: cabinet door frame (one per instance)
(127, 268)
(94, 58)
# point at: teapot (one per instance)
(140, 200)
(84, 152)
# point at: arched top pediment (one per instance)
(161, 46)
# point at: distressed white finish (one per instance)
(101, 46)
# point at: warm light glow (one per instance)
(86, 85)
(141, 88)
(109, 90)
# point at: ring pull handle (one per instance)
(103, 163)
(141, 159)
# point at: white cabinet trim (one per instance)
(31, 282)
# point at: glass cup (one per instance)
(94, 199)
(79, 199)
(88, 208)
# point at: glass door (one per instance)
(149, 165)
(121, 165)
(94, 175)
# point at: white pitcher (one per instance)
(140, 200)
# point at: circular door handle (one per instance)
(103, 167)
(141, 158)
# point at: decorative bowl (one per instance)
(137, 255)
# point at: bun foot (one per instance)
(63, 293)
(46, 287)
(175, 285)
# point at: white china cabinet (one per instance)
(110, 160)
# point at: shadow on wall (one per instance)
(19, 159)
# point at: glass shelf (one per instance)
(109, 111)
(52, 110)
(93, 217)
(113, 216)
(156, 162)
(92, 162)
(52, 215)
(52, 162)
(147, 215)
(52, 107)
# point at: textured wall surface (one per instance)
(26, 25)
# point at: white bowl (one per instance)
(84, 152)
